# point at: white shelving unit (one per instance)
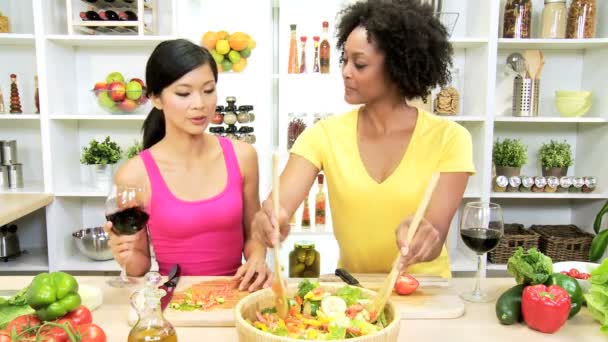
(69, 64)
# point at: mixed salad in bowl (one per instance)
(317, 314)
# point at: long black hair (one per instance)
(169, 61)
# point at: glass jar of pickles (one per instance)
(304, 260)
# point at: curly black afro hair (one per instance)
(416, 45)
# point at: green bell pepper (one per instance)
(571, 286)
(53, 295)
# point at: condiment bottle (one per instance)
(577, 184)
(539, 184)
(552, 184)
(564, 184)
(316, 67)
(500, 183)
(303, 52)
(306, 214)
(152, 325)
(320, 203)
(514, 183)
(527, 183)
(293, 65)
(325, 49)
(589, 184)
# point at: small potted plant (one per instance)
(555, 158)
(509, 155)
(5, 26)
(134, 150)
(100, 156)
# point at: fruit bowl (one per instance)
(117, 96)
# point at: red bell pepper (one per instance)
(545, 308)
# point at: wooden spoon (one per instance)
(278, 285)
(388, 284)
(534, 58)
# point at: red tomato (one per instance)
(565, 273)
(5, 336)
(22, 323)
(406, 284)
(82, 315)
(574, 273)
(92, 333)
(584, 276)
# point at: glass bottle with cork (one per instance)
(152, 325)
(324, 50)
(293, 66)
(320, 204)
(303, 53)
(306, 214)
(316, 67)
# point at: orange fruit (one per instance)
(209, 40)
(240, 66)
(222, 34)
(238, 41)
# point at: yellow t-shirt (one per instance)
(366, 214)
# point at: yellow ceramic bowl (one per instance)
(259, 300)
(572, 93)
(573, 106)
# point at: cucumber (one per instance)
(508, 306)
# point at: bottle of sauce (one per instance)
(320, 203)
(306, 214)
(324, 50)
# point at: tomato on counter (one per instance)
(406, 284)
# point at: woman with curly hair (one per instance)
(379, 158)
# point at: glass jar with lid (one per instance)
(582, 19)
(447, 101)
(296, 125)
(553, 19)
(304, 260)
(517, 19)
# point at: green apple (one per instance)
(115, 77)
(246, 53)
(219, 58)
(226, 65)
(234, 56)
(105, 101)
(134, 90)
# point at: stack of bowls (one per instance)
(573, 103)
(93, 242)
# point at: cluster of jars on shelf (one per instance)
(544, 184)
(226, 118)
(557, 21)
(304, 261)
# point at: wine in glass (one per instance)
(126, 207)
(481, 228)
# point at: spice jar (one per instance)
(296, 126)
(564, 184)
(517, 19)
(539, 184)
(552, 184)
(243, 116)
(447, 101)
(589, 184)
(218, 118)
(231, 100)
(230, 118)
(553, 19)
(216, 130)
(582, 19)
(514, 183)
(304, 260)
(577, 184)
(526, 184)
(500, 183)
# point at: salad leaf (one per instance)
(269, 311)
(597, 298)
(280, 331)
(365, 327)
(306, 286)
(531, 267)
(382, 319)
(599, 276)
(336, 333)
(350, 294)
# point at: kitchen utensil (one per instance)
(516, 61)
(387, 287)
(534, 62)
(169, 286)
(278, 286)
(93, 243)
(9, 152)
(347, 277)
(525, 96)
(9, 241)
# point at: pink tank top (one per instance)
(204, 237)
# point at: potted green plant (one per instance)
(597, 253)
(555, 158)
(509, 155)
(134, 149)
(101, 156)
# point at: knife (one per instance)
(169, 286)
(347, 277)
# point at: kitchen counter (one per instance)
(479, 322)
(15, 206)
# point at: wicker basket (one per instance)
(5, 26)
(564, 242)
(515, 236)
(259, 300)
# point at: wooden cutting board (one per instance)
(434, 299)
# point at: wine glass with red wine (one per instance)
(127, 208)
(481, 228)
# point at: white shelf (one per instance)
(497, 267)
(34, 260)
(310, 232)
(108, 117)
(4, 116)
(464, 43)
(553, 44)
(551, 119)
(16, 39)
(81, 191)
(463, 118)
(107, 41)
(35, 187)
(544, 195)
(79, 262)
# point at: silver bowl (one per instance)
(93, 242)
